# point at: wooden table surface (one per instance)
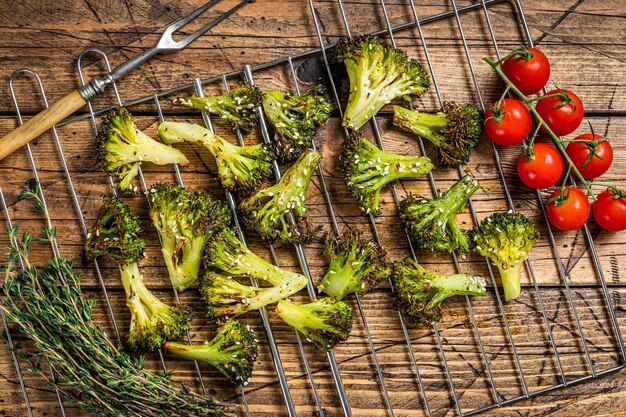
(585, 41)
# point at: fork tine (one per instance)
(186, 19)
(209, 25)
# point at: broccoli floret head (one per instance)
(356, 265)
(367, 170)
(295, 119)
(228, 261)
(430, 222)
(325, 322)
(232, 351)
(377, 75)
(268, 211)
(117, 233)
(185, 221)
(506, 239)
(239, 168)
(454, 131)
(419, 293)
(123, 147)
(239, 106)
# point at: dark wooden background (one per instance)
(585, 42)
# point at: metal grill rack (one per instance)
(388, 32)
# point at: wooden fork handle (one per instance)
(38, 124)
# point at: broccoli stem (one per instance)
(137, 293)
(296, 316)
(365, 102)
(511, 283)
(424, 125)
(206, 352)
(183, 258)
(144, 148)
(231, 298)
(454, 200)
(457, 196)
(339, 281)
(451, 285)
(132, 281)
(174, 132)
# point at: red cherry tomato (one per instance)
(528, 69)
(563, 114)
(543, 170)
(591, 156)
(508, 122)
(570, 213)
(609, 210)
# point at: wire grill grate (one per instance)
(443, 347)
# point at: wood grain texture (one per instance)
(58, 31)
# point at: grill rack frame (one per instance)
(247, 72)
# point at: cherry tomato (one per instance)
(508, 122)
(528, 69)
(570, 213)
(591, 156)
(543, 170)
(563, 114)
(609, 210)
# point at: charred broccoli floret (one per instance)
(356, 265)
(185, 221)
(325, 322)
(268, 210)
(238, 106)
(506, 239)
(118, 234)
(232, 351)
(295, 119)
(454, 131)
(367, 170)
(122, 147)
(238, 167)
(377, 75)
(430, 222)
(229, 260)
(419, 293)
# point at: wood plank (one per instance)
(600, 87)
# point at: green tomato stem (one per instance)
(557, 141)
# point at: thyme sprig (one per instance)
(47, 305)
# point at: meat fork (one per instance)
(52, 115)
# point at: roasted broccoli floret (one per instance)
(122, 147)
(430, 222)
(356, 265)
(238, 167)
(295, 119)
(367, 170)
(238, 106)
(506, 239)
(325, 322)
(232, 351)
(118, 234)
(454, 131)
(268, 210)
(419, 293)
(229, 260)
(377, 75)
(185, 221)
